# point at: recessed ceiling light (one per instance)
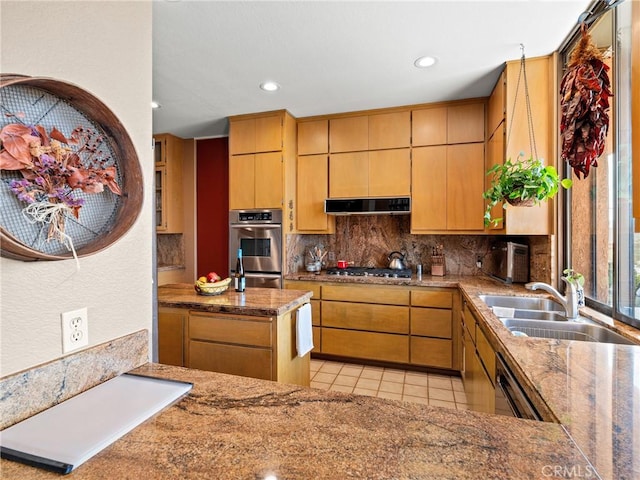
(269, 86)
(155, 104)
(424, 62)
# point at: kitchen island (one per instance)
(252, 333)
(239, 427)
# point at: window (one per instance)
(600, 239)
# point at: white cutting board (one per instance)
(68, 434)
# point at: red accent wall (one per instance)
(212, 185)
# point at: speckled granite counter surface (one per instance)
(592, 389)
(253, 301)
(242, 428)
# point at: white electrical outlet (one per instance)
(75, 329)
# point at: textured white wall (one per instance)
(104, 48)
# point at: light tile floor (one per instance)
(407, 385)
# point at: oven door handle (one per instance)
(262, 275)
(266, 226)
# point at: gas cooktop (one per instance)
(370, 272)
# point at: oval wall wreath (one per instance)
(70, 179)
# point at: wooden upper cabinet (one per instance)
(259, 181)
(390, 130)
(465, 184)
(389, 173)
(465, 123)
(313, 183)
(541, 76)
(349, 134)
(253, 135)
(242, 179)
(429, 126)
(496, 106)
(447, 185)
(168, 187)
(242, 136)
(268, 180)
(428, 185)
(262, 162)
(349, 175)
(313, 137)
(448, 124)
(160, 150)
(269, 133)
(495, 156)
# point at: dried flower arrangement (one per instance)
(53, 169)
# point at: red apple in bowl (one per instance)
(213, 277)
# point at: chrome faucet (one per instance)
(570, 302)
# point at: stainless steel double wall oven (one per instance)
(259, 234)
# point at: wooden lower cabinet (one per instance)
(314, 288)
(258, 347)
(479, 368)
(366, 345)
(171, 341)
(396, 324)
(233, 359)
(364, 316)
(431, 352)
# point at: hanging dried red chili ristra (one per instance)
(584, 100)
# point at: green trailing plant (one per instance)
(575, 278)
(521, 183)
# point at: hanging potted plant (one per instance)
(521, 183)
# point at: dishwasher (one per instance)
(510, 397)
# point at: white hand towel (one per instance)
(304, 331)
(504, 311)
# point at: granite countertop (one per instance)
(262, 302)
(592, 389)
(239, 427)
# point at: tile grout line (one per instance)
(455, 404)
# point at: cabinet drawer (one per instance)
(486, 353)
(232, 359)
(434, 352)
(469, 322)
(313, 287)
(431, 322)
(372, 346)
(430, 298)
(362, 316)
(230, 329)
(366, 294)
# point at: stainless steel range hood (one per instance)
(368, 206)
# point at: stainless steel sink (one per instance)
(537, 315)
(564, 331)
(522, 303)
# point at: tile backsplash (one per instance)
(369, 239)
